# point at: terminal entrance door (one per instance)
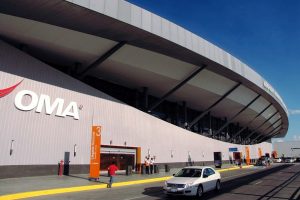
(123, 157)
(121, 160)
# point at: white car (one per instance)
(289, 160)
(277, 160)
(193, 181)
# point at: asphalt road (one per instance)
(276, 182)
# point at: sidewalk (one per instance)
(46, 185)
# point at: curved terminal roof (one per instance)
(147, 50)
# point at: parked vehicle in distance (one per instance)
(297, 159)
(193, 181)
(277, 160)
(289, 160)
(261, 161)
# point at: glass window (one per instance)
(211, 171)
(206, 172)
(189, 173)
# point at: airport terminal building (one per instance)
(153, 88)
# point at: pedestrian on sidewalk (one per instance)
(147, 165)
(112, 173)
(151, 165)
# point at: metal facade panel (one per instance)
(84, 3)
(146, 20)
(173, 32)
(181, 36)
(165, 29)
(111, 8)
(208, 49)
(136, 16)
(97, 5)
(156, 24)
(124, 13)
(43, 139)
(188, 36)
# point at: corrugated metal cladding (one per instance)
(43, 139)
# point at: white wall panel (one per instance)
(136, 16)
(165, 31)
(146, 20)
(111, 8)
(181, 36)
(97, 5)
(124, 11)
(188, 36)
(83, 3)
(173, 32)
(156, 24)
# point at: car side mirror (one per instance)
(173, 174)
(205, 175)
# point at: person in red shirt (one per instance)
(112, 172)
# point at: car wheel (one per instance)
(218, 186)
(200, 191)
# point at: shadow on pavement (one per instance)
(84, 178)
(227, 186)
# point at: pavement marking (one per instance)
(138, 197)
(258, 183)
(23, 195)
(236, 175)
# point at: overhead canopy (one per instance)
(64, 33)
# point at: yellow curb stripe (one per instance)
(51, 191)
(234, 168)
(38, 193)
(152, 180)
(24, 195)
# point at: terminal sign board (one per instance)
(259, 152)
(247, 155)
(95, 152)
(234, 149)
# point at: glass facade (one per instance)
(177, 113)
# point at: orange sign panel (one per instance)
(259, 152)
(95, 152)
(247, 155)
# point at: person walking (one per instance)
(112, 173)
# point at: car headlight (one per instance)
(189, 185)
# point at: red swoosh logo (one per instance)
(8, 90)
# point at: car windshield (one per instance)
(189, 173)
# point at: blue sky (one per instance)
(264, 34)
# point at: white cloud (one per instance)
(277, 140)
(294, 111)
(296, 137)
